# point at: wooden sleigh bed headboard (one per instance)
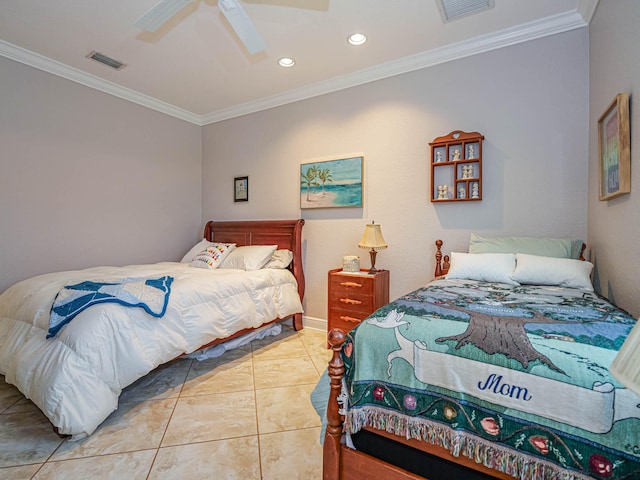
(286, 234)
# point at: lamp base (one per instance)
(372, 270)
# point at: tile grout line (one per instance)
(173, 410)
(255, 402)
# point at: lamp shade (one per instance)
(626, 366)
(372, 237)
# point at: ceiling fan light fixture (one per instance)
(357, 38)
(242, 25)
(286, 62)
(158, 15)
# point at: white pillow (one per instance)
(195, 250)
(211, 257)
(562, 272)
(280, 259)
(250, 257)
(484, 267)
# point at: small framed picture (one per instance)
(614, 149)
(241, 189)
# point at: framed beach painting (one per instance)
(614, 152)
(332, 183)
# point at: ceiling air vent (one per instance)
(454, 9)
(108, 61)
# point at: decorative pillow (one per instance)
(545, 247)
(250, 257)
(195, 250)
(213, 256)
(562, 272)
(484, 267)
(279, 259)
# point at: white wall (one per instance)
(614, 225)
(89, 179)
(531, 103)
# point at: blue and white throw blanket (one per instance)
(150, 294)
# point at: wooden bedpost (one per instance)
(333, 434)
(442, 264)
(438, 271)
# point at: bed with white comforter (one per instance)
(76, 376)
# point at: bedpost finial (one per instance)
(438, 271)
(336, 337)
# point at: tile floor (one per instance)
(245, 415)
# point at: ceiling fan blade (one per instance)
(242, 25)
(158, 15)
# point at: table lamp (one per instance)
(374, 240)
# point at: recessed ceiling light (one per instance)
(357, 38)
(286, 62)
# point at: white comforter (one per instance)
(76, 377)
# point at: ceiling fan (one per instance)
(231, 9)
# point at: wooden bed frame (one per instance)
(286, 234)
(343, 463)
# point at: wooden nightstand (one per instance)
(353, 296)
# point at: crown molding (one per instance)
(586, 8)
(46, 64)
(511, 36)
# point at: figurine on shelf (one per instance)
(456, 154)
(438, 156)
(443, 192)
(461, 192)
(475, 190)
(467, 171)
(472, 153)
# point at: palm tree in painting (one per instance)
(308, 179)
(325, 176)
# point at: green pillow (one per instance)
(544, 247)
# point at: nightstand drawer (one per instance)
(352, 301)
(345, 320)
(359, 284)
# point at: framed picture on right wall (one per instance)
(614, 152)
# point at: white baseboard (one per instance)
(314, 323)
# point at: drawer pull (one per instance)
(350, 301)
(349, 319)
(351, 284)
